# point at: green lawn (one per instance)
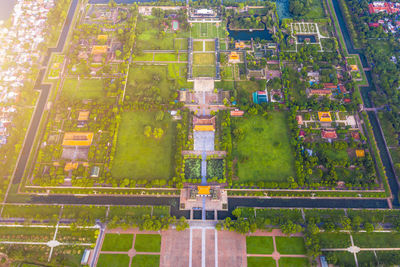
(146, 260)
(198, 46)
(148, 36)
(83, 88)
(263, 151)
(144, 57)
(142, 78)
(114, 260)
(183, 57)
(334, 240)
(117, 242)
(340, 258)
(206, 31)
(210, 46)
(260, 261)
(377, 240)
(366, 257)
(165, 57)
(259, 245)
(148, 243)
(290, 245)
(204, 59)
(204, 71)
(141, 157)
(181, 44)
(294, 262)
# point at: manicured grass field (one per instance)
(141, 78)
(148, 36)
(183, 57)
(334, 240)
(141, 157)
(117, 242)
(260, 261)
(165, 57)
(206, 30)
(259, 245)
(181, 44)
(290, 245)
(146, 260)
(343, 258)
(144, 57)
(366, 257)
(83, 88)
(227, 73)
(198, 46)
(204, 59)
(203, 71)
(291, 262)
(148, 243)
(263, 152)
(377, 240)
(114, 260)
(210, 46)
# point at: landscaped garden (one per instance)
(147, 243)
(115, 260)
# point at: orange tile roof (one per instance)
(324, 116)
(77, 139)
(237, 113)
(299, 119)
(203, 190)
(354, 67)
(360, 153)
(204, 128)
(320, 92)
(329, 134)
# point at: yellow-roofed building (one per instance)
(71, 166)
(234, 57)
(102, 37)
(239, 45)
(354, 67)
(77, 139)
(360, 153)
(83, 115)
(204, 128)
(203, 190)
(99, 49)
(324, 116)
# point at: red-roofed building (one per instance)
(347, 100)
(329, 134)
(237, 113)
(388, 7)
(319, 92)
(302, 134)
(355, 135)
(329, 86)
(373, 24)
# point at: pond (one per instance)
(311, 38)
(247, 35)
